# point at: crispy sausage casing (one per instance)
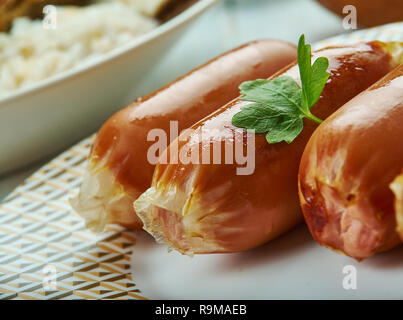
(397, 188)
(208, 208)
(119, 169)
(346, 170)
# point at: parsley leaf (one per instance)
(279, 105)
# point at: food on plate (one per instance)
(369, 12)
(33, 51)
(12, 9)
(150, 7)
(347, 167)
(397, 188)
(119, 167)
(197, 207)
(162, 9)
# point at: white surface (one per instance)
(223, 27)
(291, 267)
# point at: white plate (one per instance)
(49, 116)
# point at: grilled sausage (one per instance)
(397, 188)
(120, 170)
(346, 170)
(198, 207)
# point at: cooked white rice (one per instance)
(30, 53)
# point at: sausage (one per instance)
(397, 188)
(346, 170)
(119, 169)
(198, 207)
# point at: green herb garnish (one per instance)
(279, 105)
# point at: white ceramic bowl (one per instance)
(47, 117)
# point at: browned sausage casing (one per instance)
(119, 169)
(208, 208)
(346, 170)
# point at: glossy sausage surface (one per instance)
(120, 169)
(347, 168)
(205, 208)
